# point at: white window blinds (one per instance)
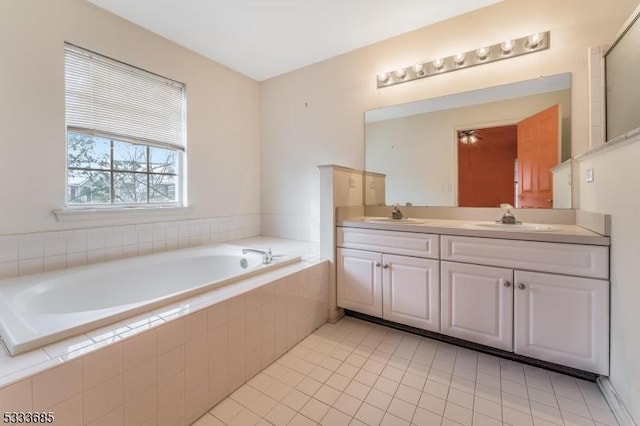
(109, 97)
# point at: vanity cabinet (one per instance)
(543, 300)
(552, 303)
(397, 282)
(477, 304)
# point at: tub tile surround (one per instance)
(170, 365)
(32, 253)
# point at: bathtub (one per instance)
(40, 309)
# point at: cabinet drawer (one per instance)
(569, 259)
(392, 242)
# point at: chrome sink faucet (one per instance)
(396, 213)
(267, 256)
(508, 218)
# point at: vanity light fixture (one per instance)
(507, 47)
(534, 40)
(383, 77)
(459, 59)
(483, 55)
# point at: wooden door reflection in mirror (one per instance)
(486, 167)
(511, 163)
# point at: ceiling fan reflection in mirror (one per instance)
(468, 137)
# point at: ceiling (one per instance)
(266, 38)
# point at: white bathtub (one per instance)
(39, 309)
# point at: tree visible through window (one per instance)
(108, 171)
(125, 138)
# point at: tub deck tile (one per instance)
(68, 345)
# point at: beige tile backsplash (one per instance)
(25, 254)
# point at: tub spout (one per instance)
(267, 256)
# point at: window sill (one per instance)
(87, 214)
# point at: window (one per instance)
(125, 133)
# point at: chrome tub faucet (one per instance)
(267, 256)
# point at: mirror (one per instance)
(622, 67)
(433, 152)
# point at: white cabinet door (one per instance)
(563, 319)
(477, 304)
(359, 281)
(411, 291)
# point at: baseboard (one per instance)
(617, 406)
(562, 369)
(335, 315)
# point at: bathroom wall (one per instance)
(315, 115)
(615, 191)
(223, 145)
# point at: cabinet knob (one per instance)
(521, 286)
(385, 266)
(377, 264)
(507, 284)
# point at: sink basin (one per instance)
(405, 220)
(520, 227)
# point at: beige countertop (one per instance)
(571, 234)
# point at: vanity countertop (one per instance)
(571, 234)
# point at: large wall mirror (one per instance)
(622, 67)
(503, 144)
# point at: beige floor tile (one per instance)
(357, 373)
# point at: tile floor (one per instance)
(357, 373)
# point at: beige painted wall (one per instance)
(222, 112)
(615, 191)
(315, 116)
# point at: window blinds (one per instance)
(108, 97)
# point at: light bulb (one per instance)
(482, 53)
(507, 47)
(417, 68)
(464, 139)
(438, 63)
(400, 73)
(534, 40)
(459, 58)
(473, 139)
(383, 77)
